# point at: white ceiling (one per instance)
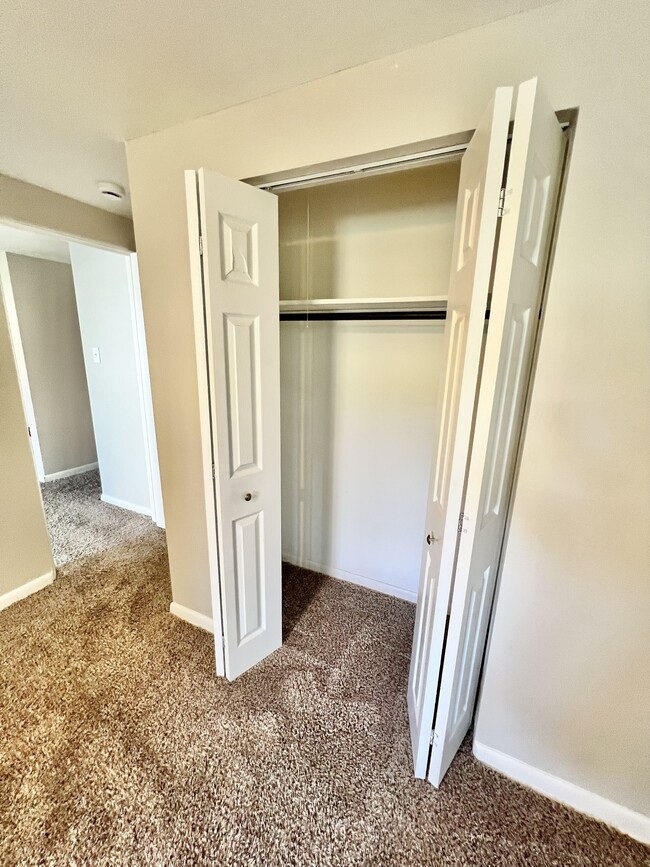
(37, 244)
(79, 78)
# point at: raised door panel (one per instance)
(243, 383)
(451, 390)
(517, 343)
(239, 250)
(249, 576)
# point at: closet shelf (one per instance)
(359, 305)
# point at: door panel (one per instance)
(453, 375)
(249, 576)
(239, 230)
(472, 256)
(243, 392)
(533, 177)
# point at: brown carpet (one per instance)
(118, 745)
(81, 525)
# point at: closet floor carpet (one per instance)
(118, 745)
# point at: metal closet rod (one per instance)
(359, 315)
(363, 315)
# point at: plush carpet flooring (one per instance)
(81, 525)
(119, 746)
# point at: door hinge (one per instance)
(461, 518)
(502, 210)
(200, 245)
(432, 738)
(214, 473)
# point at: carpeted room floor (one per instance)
(118, 745)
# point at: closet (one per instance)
(360, 305)
(364, 269)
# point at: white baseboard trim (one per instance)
(27, 589)
(622, 818)
(192, 617)
(353, 578)
(74, 471)
(123, 504)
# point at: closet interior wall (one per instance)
(358, 397)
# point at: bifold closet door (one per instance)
(234, 252)
(474, 236)
(534, 169)
(469, 495)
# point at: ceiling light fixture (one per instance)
(110, 190)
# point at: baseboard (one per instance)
(74, 471)
(27, 589)
(192, 617)
(622, 818)
(123, 504)
(352, 578)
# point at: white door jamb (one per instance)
(21, 366)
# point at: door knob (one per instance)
(431, 538)
(248, 497)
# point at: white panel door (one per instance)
(239, 231)
(534, 170)
(476, 221)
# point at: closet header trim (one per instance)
(407, 156)
(420, 153)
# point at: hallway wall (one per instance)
(38, 208)
(25, 555)
(104, 290)
(49, 330)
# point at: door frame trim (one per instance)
(7, 295)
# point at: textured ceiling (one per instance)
(79, 78)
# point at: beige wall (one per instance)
(381, 236)
(49, 329)
(30, 205)
(569, 662)
(24, 544)
(105, 300)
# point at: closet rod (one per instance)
(364, 315)
(359, 315)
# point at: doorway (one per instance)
(75, 323)
(505, 215)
